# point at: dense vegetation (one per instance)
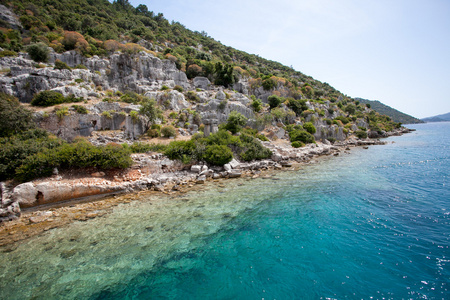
(100, 27)
(27, 153)
(397, 116)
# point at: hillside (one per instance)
(438, 118)
(116, 92)
(397, 116)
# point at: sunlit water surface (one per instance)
(374, 223)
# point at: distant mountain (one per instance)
(438, 118)
(396, 116)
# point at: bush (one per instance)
(7, 53)
(182, 150)
(47, 98)
(274, 101)
(153, 133)
(14, 118)
(150, 110)
(308, 126)
(218, 155)
(301, 136)
(252, 149)
(297, 144)
(38, 52)
(62, 112)
(165, 88)
(361, 134)
(59, 65)
(178, 88)
(235, 122)
(169, 131)
(80, 109)
(298, 106)
(256, 105)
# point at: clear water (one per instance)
(374, 224)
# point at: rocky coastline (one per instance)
(40, 205)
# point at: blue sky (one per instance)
(394, 51)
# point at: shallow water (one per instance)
(374, 223)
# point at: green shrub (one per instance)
(298, 106)
(7, 53)
(47, 98)
(297, 144)
(191, 95)
(59, 65)
(165, 88)
(308, 126)
(150, 110)
(140, 148)
(218, 155)
(252, 149)
(38, 52)
(62, 112)
(153, 133)
(134, 115)
(184, 151)
(14, 118)
(80, 109)
(361, 134)
(262, 137)
(156, 126)
(80, 66)
(235, 122)
(256, 105)
(107, 114)
(301, 136)
(169, 131)
(274, 101)
(178, 88)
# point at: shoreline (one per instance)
(37, 219)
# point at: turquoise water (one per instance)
(373, 224)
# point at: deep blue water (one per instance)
(373, 224)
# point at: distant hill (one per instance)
(397, 116)
(438, 118)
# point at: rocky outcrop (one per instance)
(172, 100)
(75, 124)
(9, 17)
(140, 73)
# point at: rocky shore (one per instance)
(64, 198)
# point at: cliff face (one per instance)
(140, 73)
(145, 74)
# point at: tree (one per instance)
(150, 110)
(14, 118)
(235, 122)
(274, 101)
(308, 126)
(38, 52)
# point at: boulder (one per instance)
(196, 168)
(202, 83)
(220, 95)
(234, 174)
(25, 194)
(234, 163)
(201, 179)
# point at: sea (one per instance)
(369, 224)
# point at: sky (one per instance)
(394, 51)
